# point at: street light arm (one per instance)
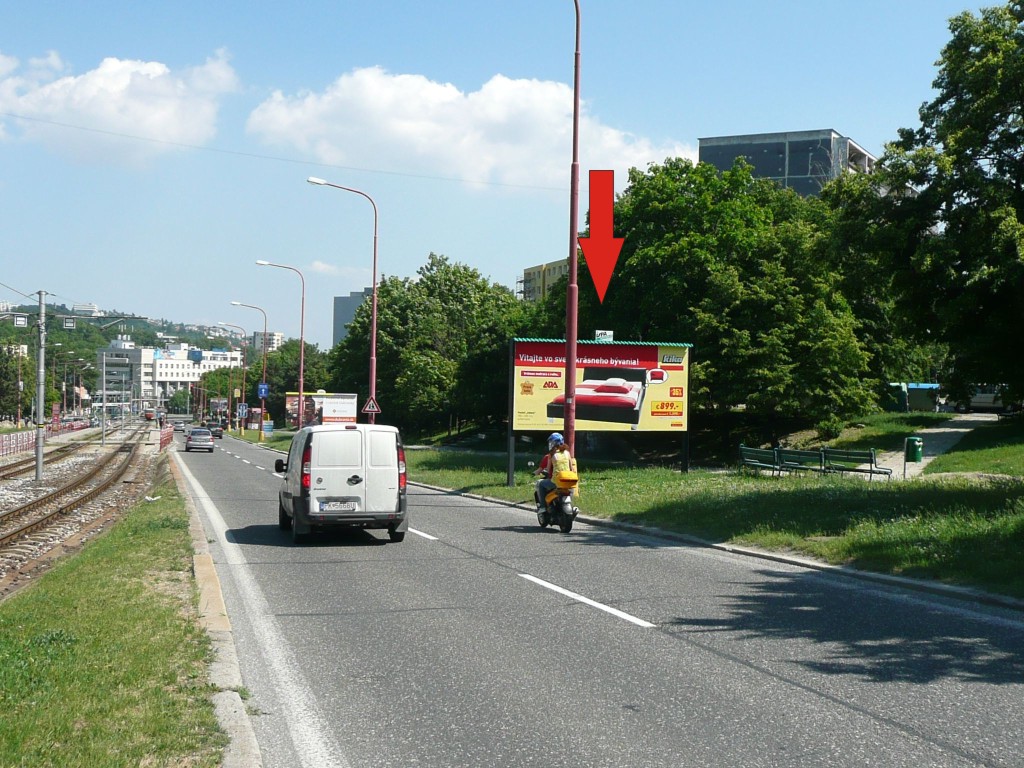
(373, 311)
(302, 333)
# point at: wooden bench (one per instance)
(863, 461)
(794, 460)
(758, 459)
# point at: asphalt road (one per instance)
(485, 640)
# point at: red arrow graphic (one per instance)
(601, 249)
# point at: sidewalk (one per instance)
(937, 440)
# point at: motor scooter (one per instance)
(556, 507)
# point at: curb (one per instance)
(242, 750)
(966, 594)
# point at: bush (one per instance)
(830, 428)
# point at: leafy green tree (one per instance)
(178, 402)
(8, 382)
(733, 265)
(948, 204)
(442, 343)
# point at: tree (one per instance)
(9, 392)
(731, 264)
(442, 343)
(949, 202)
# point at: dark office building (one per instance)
(345, 311)
(801, 160)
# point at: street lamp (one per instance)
(572, 291)
(302, 337)
(371, 406)
(241, 421)
(263, 381)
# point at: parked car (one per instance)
(344, 476)
(199, 439)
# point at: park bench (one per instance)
(794, 460)
(758, 459)
(862, 461)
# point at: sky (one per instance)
(152, 152)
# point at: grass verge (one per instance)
(102, 662)
(965, 529)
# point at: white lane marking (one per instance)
(424, 535)
(306, 723)
(587, 601)
(246, 461)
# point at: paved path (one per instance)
(937, 440)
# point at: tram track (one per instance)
(52, 521)
(21, 466)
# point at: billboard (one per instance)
(620, 386)
(321, 408)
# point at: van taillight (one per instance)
(403, 478)
(307, 458)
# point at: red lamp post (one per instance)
(302, 334)
(371, 408)
(572, 292)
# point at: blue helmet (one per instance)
(555, 439)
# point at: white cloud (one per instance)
(509, 131)
(117, 99)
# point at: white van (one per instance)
(343, 475)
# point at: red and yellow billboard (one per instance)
(620, 386)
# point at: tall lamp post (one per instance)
(263, 381)
(371, 406)
(241, 422)
(302, 334)
(572, 292)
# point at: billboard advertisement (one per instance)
(620, 386)
(321, 408)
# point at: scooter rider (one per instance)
(557, 459)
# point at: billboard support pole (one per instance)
(511, 476)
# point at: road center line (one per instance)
(587, 601)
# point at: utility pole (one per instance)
(41, 387)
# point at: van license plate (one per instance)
(337, 506)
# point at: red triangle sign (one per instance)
(371, 406)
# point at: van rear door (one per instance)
(382, 470)
(338, 477)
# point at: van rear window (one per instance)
(338, 449)
(383, 449)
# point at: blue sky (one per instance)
(151, 152)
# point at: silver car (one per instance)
(199, 439)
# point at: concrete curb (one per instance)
(243, 750)
(966, 594)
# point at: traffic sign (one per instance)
(262, 390)
(371, 406)
(243, 410)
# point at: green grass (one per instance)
(956, 529)
(102, 662)
(996, 449)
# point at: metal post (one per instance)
(41, 387)
(373, 311)
(103, 410)
(572, 292)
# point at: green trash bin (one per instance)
(913, 449)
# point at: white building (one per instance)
(148, 377)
